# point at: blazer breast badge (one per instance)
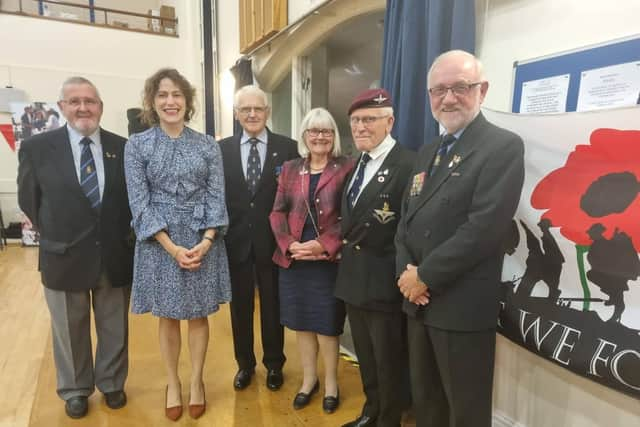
(384, 215)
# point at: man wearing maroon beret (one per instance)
(366, 277)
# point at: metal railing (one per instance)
(92, 15)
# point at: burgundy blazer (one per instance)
(290, 210)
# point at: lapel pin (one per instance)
(456, 159)
(274, 154)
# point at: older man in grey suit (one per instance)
(71, 186)
(463, 192)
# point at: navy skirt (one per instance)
(307, 302)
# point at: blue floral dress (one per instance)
(176, 185)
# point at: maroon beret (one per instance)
(371, 98)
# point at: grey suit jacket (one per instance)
(454, 222)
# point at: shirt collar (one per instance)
(262, 137)
(75, 137)
(385, 146)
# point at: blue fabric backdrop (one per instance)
(415, 32)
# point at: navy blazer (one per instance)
(249, 215)
(76, 243)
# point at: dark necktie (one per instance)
(357, 182)
(89, 175)
(254, 169)
(447, 142)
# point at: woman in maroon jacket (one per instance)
(305, 222)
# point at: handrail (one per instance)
(105, 10)
(165, 22)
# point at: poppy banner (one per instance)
(571, 276)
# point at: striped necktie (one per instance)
(89, 175)
(357, 182)
(443, 150)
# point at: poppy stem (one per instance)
(580, 251)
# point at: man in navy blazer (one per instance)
(252, 161)
(462, 195)
(71, 185)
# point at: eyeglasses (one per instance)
(317, 132)
(366, 120)
(459, 89)
(245, 111)
(76, 102)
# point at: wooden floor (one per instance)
(27, 374)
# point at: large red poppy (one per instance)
(611, 153)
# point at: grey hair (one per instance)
(457, 52)
(249, 90)
(318, 117)
(77, 80)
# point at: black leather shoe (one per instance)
(115, 399)
(76, 407)
(274, 379)
(243, 379)
(361, 421)
(331, 403)
(302, 399)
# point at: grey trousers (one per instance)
(71, 334)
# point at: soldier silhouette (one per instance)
(542, 266)
(613, 263)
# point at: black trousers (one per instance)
(244, 277)
(380, 341)
(451, 375)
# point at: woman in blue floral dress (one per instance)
(176, 192)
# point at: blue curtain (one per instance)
(415, 32)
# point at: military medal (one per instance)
(381, 179)
(416, 184)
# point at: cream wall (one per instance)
(529, 390)
(40, 54)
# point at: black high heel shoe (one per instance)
(302, 399)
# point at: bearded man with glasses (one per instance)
(463, 193)
(252, 162)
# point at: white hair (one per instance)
(459, 53)
(249, 90)
(318, 118)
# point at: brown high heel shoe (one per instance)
(173, 413)
(196, 411)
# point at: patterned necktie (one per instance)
(443, 150)
(254, 170)
(357, 182)
(89, 175)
